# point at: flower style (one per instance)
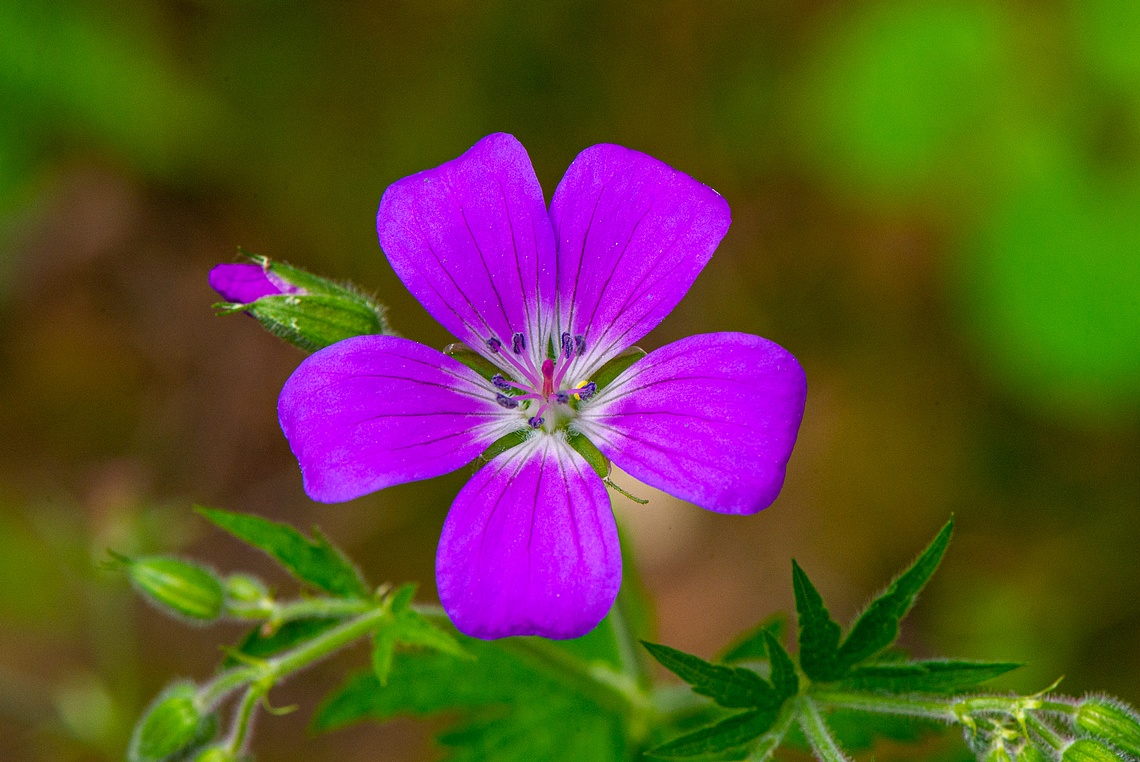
(548, 298)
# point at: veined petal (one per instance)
(632, 234)
(711, 419)
(246, 282)
(373, 411)
(530, 546)
(472, 241)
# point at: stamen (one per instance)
(494, 345)
(536, 422)
(580, 344)
(587, 391)
(562, 396)
(509, 403)
(501, 382)
(518, 343)
(567, 346)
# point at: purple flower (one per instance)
(245, 283)
(530, 546)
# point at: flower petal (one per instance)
(633, 234)
(373, 411)
(530, 546)
(245, 283)
(711, 419)
(472, 241)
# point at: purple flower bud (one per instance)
(245, 283)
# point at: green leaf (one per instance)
(784, 678)
(611, 370)
(731, 687)
(402, 596)
(819, 635)
(878, 626)
(731, 733)
(259, 645)
(936, 676)
(412, 629)
(508, 710)
(752, 645)
(314, 561)
(383, 650)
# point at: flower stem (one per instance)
(934, 709)
(627, 647)
(771, 740)
(1046, 733)
(327, 642)
(818, 734)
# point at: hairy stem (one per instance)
(932, 708)
(818, 734)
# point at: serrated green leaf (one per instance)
(751, 645)
(509, 711)
(784, 679)
(401, 597)
(819, 635)
(878, 626)
(315, 561)
(412, 629)
(260, 646)
(935, 676)
(730, 733)
(730, 687)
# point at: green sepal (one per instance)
(819, 635)
(591, 454)
(878, 626)
(752, 644)
(258, 644)
(316, 561)
(730, 733)
(1088, 750)
(173, 724)
(504, 443)
(177, 586)
(611, 370)
(217, 753)
(934, 676)
(475, 362)
(1030, 753)
(783, 675)
(730, 687)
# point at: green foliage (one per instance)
(260, 643)
(753, 643)
(819, 635)
(730, 687)
(408, 628)
(315, 561)
(727, 734)
(878, 627)
(935, 676)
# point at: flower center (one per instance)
(545, 392)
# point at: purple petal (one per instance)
(710, 419)
(472, 241)
(633, 234)
(373, 411)
(245, 283)
(530, 546)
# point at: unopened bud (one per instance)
(998, 754)
(180, 586)
(306, 310)
(220, 753)
(1110, 721)
(1088, 750)
(170, 726)
(245, 589)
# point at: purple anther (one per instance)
(507, 402)
(494, 345)
(580, 344)
(535, 422)
(562, 396)
(518, 343)
(567, 345)
(587, 391)
(500, 382)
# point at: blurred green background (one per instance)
(936, 208)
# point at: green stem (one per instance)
(869, 702)
(326, 643)
(818, 734)
(1048, 735)
(278, 614)
(244, 715)
(213, 692)
(771, 740)
(627, 646)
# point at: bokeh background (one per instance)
(936, 208)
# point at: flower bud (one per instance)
(170, 726)
(219, 753)
(998, 754)
(308, 311)
(1109, 721)
(177, 585)
(245, 589)
(1030, 753)
(1088, 750)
